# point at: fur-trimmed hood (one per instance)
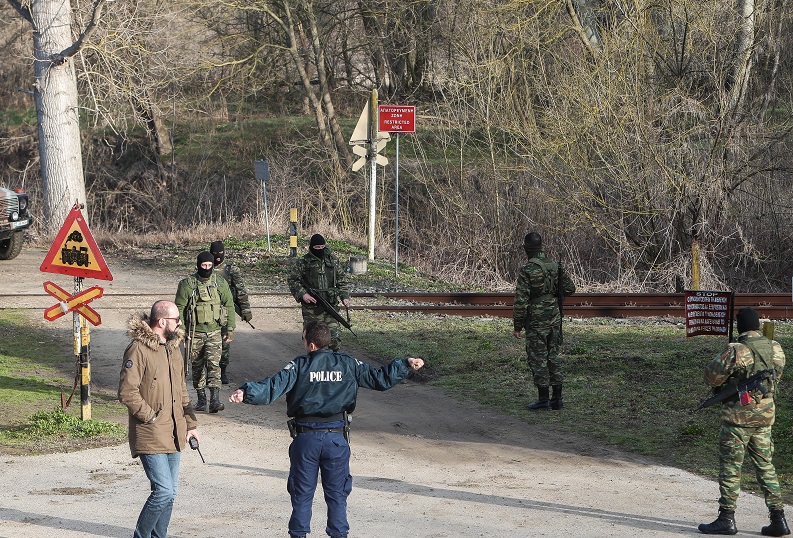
(138, 329)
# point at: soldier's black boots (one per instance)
(214, 403)
(778, 526)
(556, 398)
(724, 524)
(543, 403)
(223, 378)
(202, 400)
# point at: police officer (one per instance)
(206, 306)
(746, 422)
(321, 387)
(541, 284)
(323, 271)
(242, 305)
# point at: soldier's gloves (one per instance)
(229, 336)
(246, 315)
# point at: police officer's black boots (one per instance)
(556, 398)
(202, 400)
(778, 526)
(724, 524)
(542, 403)
(223, 378)
(214, 403)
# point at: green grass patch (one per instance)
(36, 369)
(629, 384)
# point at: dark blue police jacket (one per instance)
(323, 383)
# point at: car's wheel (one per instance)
(11, 247)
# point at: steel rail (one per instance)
(778, 306)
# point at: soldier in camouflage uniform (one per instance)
(747, 428)
(323, 271)
(242, 305)
(541, 284)
(206, 306)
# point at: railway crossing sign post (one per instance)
(396, 119)
(75, 253)
(367, 134)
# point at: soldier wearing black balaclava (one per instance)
(323, 272)
(542, 283)
(206, 306)
(242, 306)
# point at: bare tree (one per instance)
(55, 92)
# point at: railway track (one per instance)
(777, 306)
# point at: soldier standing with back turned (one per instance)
(542, 285)
(746, 425)
(242, 305)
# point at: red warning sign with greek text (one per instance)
(396, 118)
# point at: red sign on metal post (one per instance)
(396, 118)
(708, 312)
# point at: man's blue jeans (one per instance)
(328, 454)
(163, 473)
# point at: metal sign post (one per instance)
(396, 212)
(262, 171)
(397, 119)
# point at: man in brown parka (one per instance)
(161, 418)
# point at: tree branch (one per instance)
(68, 52)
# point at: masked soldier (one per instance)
(206, 306)
(242, 306)
(746, 421)
(321, 270)
(542, 286)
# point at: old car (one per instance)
(14, 219)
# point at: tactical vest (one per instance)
(323, 277)
(208, 307)
(763, 354)
(550, 271)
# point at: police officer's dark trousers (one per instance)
(328, 454)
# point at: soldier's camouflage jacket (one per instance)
(752, 353)
(537, 293)
(326, 275)
(233, 276)
(205, 305)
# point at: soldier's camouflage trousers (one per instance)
(734, 443)
(542, 349)
(205, 353)
(317, 312)
(224, 353)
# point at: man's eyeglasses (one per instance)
(177, 320)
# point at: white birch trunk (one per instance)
(57, 110)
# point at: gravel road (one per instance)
(424, 465)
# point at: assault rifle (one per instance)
(189, 325)
(329, 308)
(747, 385)
(238, 310)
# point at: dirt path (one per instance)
(424, 465)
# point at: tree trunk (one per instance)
(55, 93)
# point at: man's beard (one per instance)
(176, 334)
